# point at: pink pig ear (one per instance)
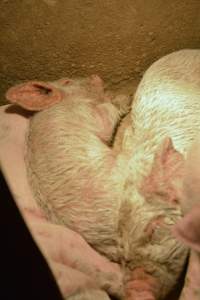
(96, 80)
(34, 95)
(188, 229)
(165, 179)
(97, 83)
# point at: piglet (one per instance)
(165, 121)
(71, 168)
(187, 230)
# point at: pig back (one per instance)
(167, 101)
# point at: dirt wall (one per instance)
(118, 39)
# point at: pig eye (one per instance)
(66, 81)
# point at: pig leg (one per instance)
(63, 246)
(141, 286)
(69, 280)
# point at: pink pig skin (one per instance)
(187, 230)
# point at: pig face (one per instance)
(91, 86)
(39, 95)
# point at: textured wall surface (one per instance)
(118, 39)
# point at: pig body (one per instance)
(125, 203)
(78, 174)
(166, 104)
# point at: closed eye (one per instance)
(64, 81)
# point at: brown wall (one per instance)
(118, 39)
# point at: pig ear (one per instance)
(96, 79)
(187, 229)
(97, 82)
(34, 95)
(165, 179)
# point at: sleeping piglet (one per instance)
(123, 203)
(165, 121)
(187, 229)
(72, 171)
